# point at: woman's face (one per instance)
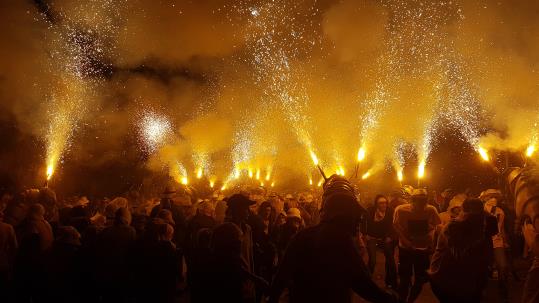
(381, 204)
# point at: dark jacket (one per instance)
(322, 264)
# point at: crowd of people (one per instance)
(256, 246)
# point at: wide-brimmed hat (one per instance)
(490, 193)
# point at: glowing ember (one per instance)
(483, 153)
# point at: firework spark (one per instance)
(154, 130)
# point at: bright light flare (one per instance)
(310, 181)
(366, 175)
(184, 180)
(50, 171)
(421, 170)
(483, 153)
(400, 175)
(273, 184)
(530, 150)
(320, 182)
(212, 183)
(258, 174)
(199, 173)
(361, 154)
(250, 173)
(314, 158)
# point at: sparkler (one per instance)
(317, 164)
(400, 175)
(199, 173)
(360, 157)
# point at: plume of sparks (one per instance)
(530, 150)
(154, 130)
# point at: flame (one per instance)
(400, 175)
(237, 173)
(314, 157)
(483, 153)
(268, 175)
(199, 173)
(530, 150)
(258, 174)
(250, 173)
(224, 186)
(310, 181)
(50, 170)
(212, 183)
(366, 175)
(261, 183)
(361, 154)
(340, 170)
(273, 184)
(320, 182)
(184, 180)
(421, 170)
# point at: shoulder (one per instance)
(403, 208)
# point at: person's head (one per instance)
(166, 233)
(122, 216)
(68, 235)
(491, 196)
(472, 207)
(166, 215)
(227, 240)
(264, 211)
(206, 208)
(238, 207)
(293, 217)
(381, 202)
(419, 198)
(339, 205)
(36, 211)
(455, 205)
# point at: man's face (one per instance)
(382, 204)
(455, 211)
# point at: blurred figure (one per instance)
(8, 250)
(459, 267)
(531, 235)
(379, 233)
(323, 263)
(35, 238)
(454, 209)
(61, 266)
(490, 198)
(238, 213)
(158, 267)
(228, 278)
(286, 232)
(113, 247)
(415, 224)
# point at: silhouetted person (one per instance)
(35, 238)
(8, 249)
(158, 267)
(238, 213)
(415, 224)
(61, 265)
(379, 233)
(113, 247)
(323, 263)
(228, 278)
(459, 266)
